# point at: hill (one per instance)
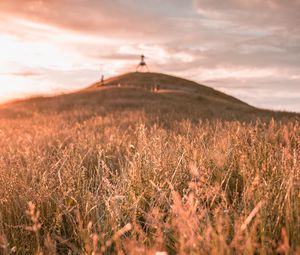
(176, 98)
(123, 169)
(170, 84)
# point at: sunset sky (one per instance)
(247, 48)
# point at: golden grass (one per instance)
(81, 175)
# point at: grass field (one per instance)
(128, 171)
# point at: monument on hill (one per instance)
(142, 66)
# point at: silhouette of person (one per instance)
(102, 80)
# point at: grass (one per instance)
(126, 171)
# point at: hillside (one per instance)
(122, 169)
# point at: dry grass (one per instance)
(77, 177)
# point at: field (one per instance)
(128, 171)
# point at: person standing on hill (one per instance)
(102, 80)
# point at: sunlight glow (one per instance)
(26, 62)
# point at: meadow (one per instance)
(98, 174)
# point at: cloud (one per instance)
(275, 12)
(26, 73)
(119, 19)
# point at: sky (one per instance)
(246, 48)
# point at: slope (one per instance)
(176, 99)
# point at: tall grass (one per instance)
(127, 183)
